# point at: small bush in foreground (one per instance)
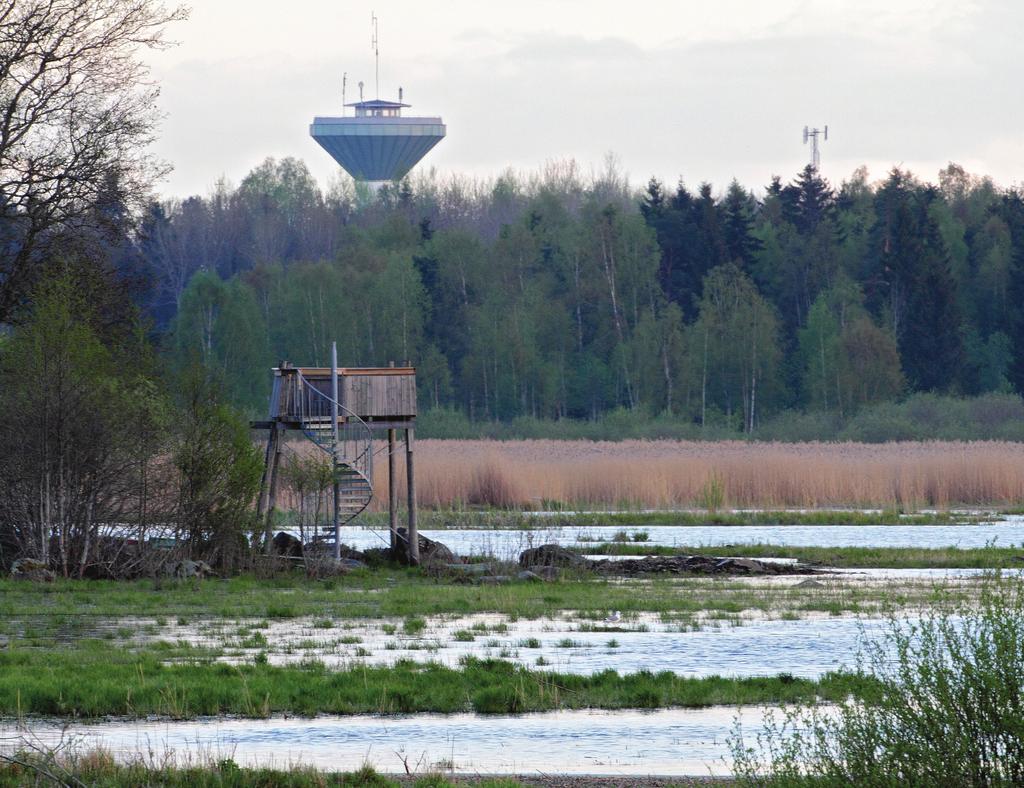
(948, 708)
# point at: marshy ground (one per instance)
(405, 642)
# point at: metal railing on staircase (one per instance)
(350, 449)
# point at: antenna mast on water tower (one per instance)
(376, 50)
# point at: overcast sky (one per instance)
(706, 90)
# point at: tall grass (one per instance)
(537, 474)
(91, 684)
(97, 767)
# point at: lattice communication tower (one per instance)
(812, 135)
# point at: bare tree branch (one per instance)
(76, 113)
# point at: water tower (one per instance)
(378, 143)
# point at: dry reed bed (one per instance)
(676, 474)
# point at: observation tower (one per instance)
(377, 143)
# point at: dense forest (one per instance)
(137, 335)
(562, 297)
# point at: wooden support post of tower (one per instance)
(275, 475)
(393, 490)
(261, 504)
(410, 471)
(335, 450)
(393, 487)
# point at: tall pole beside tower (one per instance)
(334, 451)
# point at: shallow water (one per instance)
(504, 543)
(950, 573)
(603, 557)
(665, 742)
(805, 648)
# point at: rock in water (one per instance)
(31, 569)
(546, 573)
(286, 544)
(324, 551)
(431, 552)
(739, 565)
(186, 569)
(549, 555)
(697, 565)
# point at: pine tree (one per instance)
(737, 226)
(652, 202)
(684, 260)
(913, 267)
(815, 201)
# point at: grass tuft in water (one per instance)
(90, 683)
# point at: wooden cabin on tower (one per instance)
(342, 410)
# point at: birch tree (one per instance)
(82, 429)
(740, 352)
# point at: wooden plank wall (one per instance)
(377, 395)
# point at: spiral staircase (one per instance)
(351, 453)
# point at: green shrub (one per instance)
(947, 708)
(712, 495)
(496, 700)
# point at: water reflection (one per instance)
(665, 742)
(505, 543)
(805, 648)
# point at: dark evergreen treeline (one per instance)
(556, 296)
